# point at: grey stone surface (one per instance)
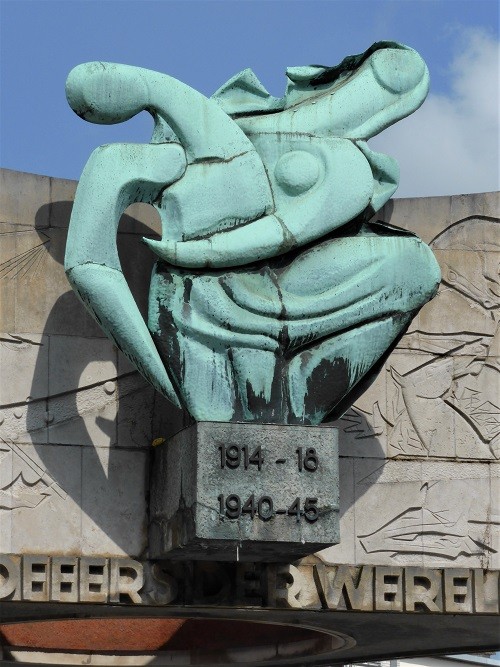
(428, 428)
(18, 356)
(96, 358)
(114, 488)
(21, 196)
(431, 514)
(58, 499)
(205, 477)
(429, 215)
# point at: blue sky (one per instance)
(449, 146)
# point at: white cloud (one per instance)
(451, 144)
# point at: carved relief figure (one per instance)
(451, 400)
(273, 298)
(23, 483)
(442, 396)
(440, 523)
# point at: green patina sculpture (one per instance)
(273, 298)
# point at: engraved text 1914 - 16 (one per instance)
(233, 506)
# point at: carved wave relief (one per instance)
(440, 523)
(23, 482)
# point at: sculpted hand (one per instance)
(312, 143)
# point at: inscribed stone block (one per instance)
(245, 492)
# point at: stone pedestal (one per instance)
(248, 492)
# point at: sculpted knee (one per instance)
(422, 272)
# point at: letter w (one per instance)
(343, 587)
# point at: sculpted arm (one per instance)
(312, 143)
(188, 130)
(108, 184)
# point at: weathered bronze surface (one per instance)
(273, 299)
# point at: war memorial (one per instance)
(249, 407)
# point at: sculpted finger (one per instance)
(356, 99)
(111, 93)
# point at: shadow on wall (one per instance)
(94, 394)
(102, 416)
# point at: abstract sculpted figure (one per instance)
(273, 299)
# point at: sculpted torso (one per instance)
(273, 298)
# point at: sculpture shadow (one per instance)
(68, 328)
(69, 319)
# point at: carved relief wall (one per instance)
(419, 450)
(452, 391)
(435, 405)
(75, 418)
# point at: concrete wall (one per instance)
(419, 451)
